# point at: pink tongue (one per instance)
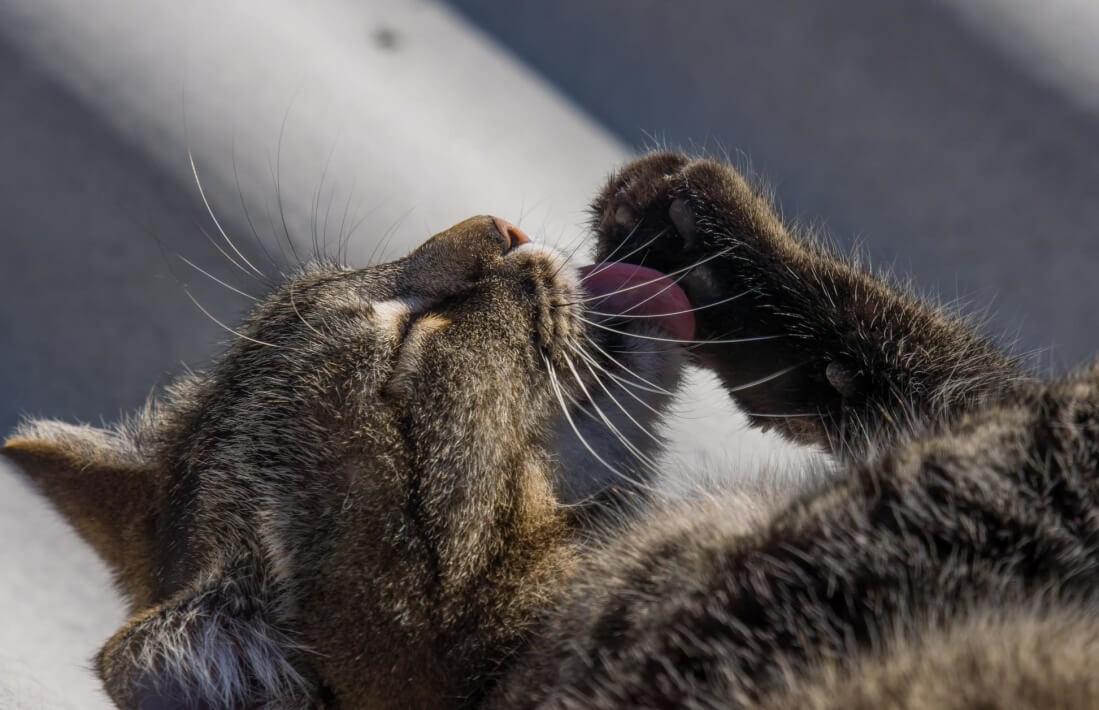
(641, 293)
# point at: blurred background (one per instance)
(955, 140)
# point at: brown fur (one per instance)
(357, 509)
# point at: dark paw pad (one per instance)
(634, 204)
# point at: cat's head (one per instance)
(478, 352)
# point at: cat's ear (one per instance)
(99, 482)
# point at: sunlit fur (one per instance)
(431, 483)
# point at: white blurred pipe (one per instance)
(424, 126)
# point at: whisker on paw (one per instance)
(682, 270)
(718, 341)
(626, 313)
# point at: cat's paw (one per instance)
(672, 213)
(634, 205)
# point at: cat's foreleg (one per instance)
(804, 340)
(217, 643)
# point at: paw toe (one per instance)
(637, 190)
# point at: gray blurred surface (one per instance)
(92, 312)
(893, 122)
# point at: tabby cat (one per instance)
(428, 483)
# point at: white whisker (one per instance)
(652, 386)
(643, 284)
(558, 391)
(244, 208)
(588, 362)
(641, 457)
(767, 378)
(625, 313)
(223, 326)
(781, 416)
(214, 219)
(300, 317)
(206, 273)
(276, 175)
(606, 261)
(722, 341)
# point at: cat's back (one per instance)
(931, 576)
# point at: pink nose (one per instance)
(512, 234)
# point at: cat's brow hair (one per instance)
(391, 313)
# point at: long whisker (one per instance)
(322, 237)
(641, 457)
(766, 378)
(564, 410)
(781, 416)
(276, 175)
(344, 238)
(720, 341)
(672, 283)
(657, 279)
(214, 219)
(568, 255)
(244, 206)
(223, 326)
(588, 363)
(626, 387)
(652, 386)
(228, 257)
(673, 313)
(629, 479)
(300, 317)
(558, 391)
(206, 273)
(383, 243)
(607, 260)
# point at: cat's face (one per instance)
(479, 342)
(478, 352)
(372, 447)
